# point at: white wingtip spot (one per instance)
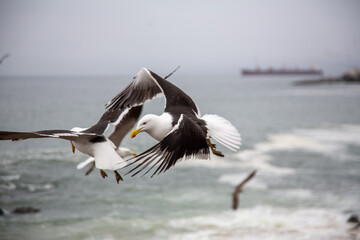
(77, 129)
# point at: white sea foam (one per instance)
(259, 159)
(298, 193)
(213, 162)
(8, 186)
(263, 223)
(10, 178)
(43, 154)
(345, 134)
(28, 187)
(330, 141)
(38, 187)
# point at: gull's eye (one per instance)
(144, 123)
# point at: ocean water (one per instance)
(304, 142)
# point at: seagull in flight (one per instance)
(181, 131)
(104, 150)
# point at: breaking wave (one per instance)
(331, 142)
(263, 222)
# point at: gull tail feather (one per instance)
(85, 163)
(107, 158)
(222, 131)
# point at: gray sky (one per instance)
(205, 37)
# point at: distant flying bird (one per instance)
(91, 141)
(4, 57)
(182, 132)
(238, 190)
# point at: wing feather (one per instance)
(186, 140)
(148, 85)
(125, 124)
(62, 134)
(137, 92)
(222, 131)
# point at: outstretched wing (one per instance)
(141, 89)
(147, 85)
(186, 140)
(174, 96)
(62, 134)
(116, 116)
(110, 116)
(126, 122)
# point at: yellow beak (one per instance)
(134, 154)
(135, 132)
(72, 147)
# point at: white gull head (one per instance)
(156, 126)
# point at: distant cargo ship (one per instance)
(270, 71)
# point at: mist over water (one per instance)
(303, 141)
(88, 37)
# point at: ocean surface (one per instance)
(304, 142)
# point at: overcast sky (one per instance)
(82, 37)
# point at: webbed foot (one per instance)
(213, 148)
(90, 169)
(72, 147)
(217, 153)
(118, 177)
(103, 173)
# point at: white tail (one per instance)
(222, 131)
(106, 156)
(84, 163)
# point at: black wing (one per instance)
(63, 134)
(113, 116)
(147, 85)
(126, 123)
(186, 140)
(141, 89)
(174, 96)
(110, 116)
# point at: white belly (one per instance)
(106, 156)
(83, 145)
(104, 153)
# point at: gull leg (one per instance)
(103, 173)
(90, 169)
(213, 148)
(118, 177)
(72, 147)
